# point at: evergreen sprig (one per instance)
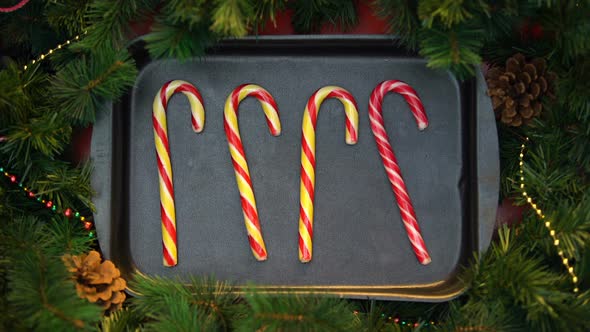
(291, 312)
(81, 88)
(179, 40)
(310, 15)
(216, 302)
(232, 17)
(402, 19)
(40, 292)
(455, 48)
(109, 21)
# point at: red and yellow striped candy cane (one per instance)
(307, 187)
(167, 209)
(238, 156)
(390, 162)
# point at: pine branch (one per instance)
(511, 279)
(66, 186)
(123, 320)
(168, 40)
(569, 24)
(21, 94)
(180, 316)
(456, 49)
(449, 12)
(297, 313)
(109, 21)
(232, 17)
(82, 88)
(192, 13)
(47, 135)
(310, 15)
(571, 221)
(41, 294)
(401, 19)
(266, 10)
(215, 300)
(68, 15)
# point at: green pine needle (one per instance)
(401, 19)
(310, 15)
(455, 49)
(169, 40)
(41, 292)
(215, 300)
(290, 312)
(123, 320)
(232, 17)
(83, 87)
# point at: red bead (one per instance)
(49, 204)
(87, 225)
(68, 212)
(396, 320)
(31, 194)
(13, 178)
(416, 324)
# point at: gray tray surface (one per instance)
(359, 236)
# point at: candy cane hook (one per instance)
(390, 162)
(307, 187)
(238, 156)
(167, 209)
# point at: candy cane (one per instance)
(307, 187)
(390, 162)
(236, 149)
(167, 209)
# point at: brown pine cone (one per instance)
(97, 282)
(518, 88)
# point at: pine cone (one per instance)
(517, 89)
(95, 281)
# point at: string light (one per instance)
(50, 205)
(564, 260)
(407, 322)
(45, 55)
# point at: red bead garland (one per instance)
(67, 212)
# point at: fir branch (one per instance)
(290, 312)
(310, 15)
(456, 49)
(232, 17)
(109, 21)
(81, 88)
(266, 10)
(511, 279)
(401, 19)
(570, 25)
(41, 293)
(123, 320)
(47, 134)
(180, 316)
(174, 40)
(191, 13)
(216, 300)
(68, 15)
(449, 12)
(66, 186)
(22, 95)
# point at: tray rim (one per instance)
(482, 223)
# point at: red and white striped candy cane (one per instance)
(167, 208)
(236, 149)
(390, 162)
(307, 187)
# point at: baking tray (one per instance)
(361, 249)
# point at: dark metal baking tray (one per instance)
(360, 247)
